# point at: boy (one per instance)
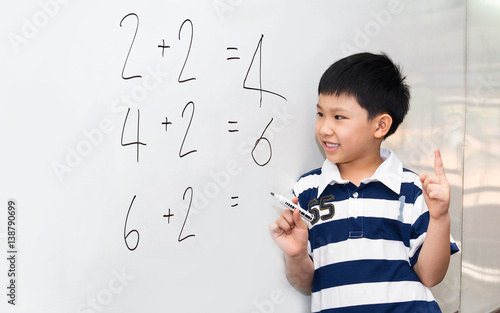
(381, 234)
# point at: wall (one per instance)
(481, 244)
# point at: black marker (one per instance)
(292, 206)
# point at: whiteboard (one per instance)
(141, 141)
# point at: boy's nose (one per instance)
(326, 130)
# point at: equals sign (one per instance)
(233, 130)
(232, 49)
(234, 198)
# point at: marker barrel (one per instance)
(292, 206)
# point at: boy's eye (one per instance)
(339, 117)
(319, 114)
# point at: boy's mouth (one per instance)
(331, 145)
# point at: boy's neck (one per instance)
(358, 170)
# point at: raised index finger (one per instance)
(438, 164)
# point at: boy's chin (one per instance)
(331, 158)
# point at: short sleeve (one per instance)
(420, 223)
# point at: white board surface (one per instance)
(141, 141)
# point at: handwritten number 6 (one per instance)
(257, 143)
(125, 234)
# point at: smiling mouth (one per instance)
(331, 145)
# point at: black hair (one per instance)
(374, 80)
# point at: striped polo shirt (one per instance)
(365, 239)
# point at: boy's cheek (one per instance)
(317, 129)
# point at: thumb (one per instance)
(299, 222)
(297, 219)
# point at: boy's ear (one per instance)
(384, 123)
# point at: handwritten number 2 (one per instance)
(179, 239)
(188, 52)
(131, 44)
(187, 130)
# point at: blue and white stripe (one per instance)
(363, 254)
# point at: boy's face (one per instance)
(344, 130)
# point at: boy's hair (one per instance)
(374, 80)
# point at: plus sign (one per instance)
(163, 47)
(168, 215)
(166, 123)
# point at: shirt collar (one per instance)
(389, 173)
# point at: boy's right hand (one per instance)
(290, 232)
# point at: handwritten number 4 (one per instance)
(245, 86)
(137, 142)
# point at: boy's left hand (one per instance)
(436, 189)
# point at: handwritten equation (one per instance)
(131, 135)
